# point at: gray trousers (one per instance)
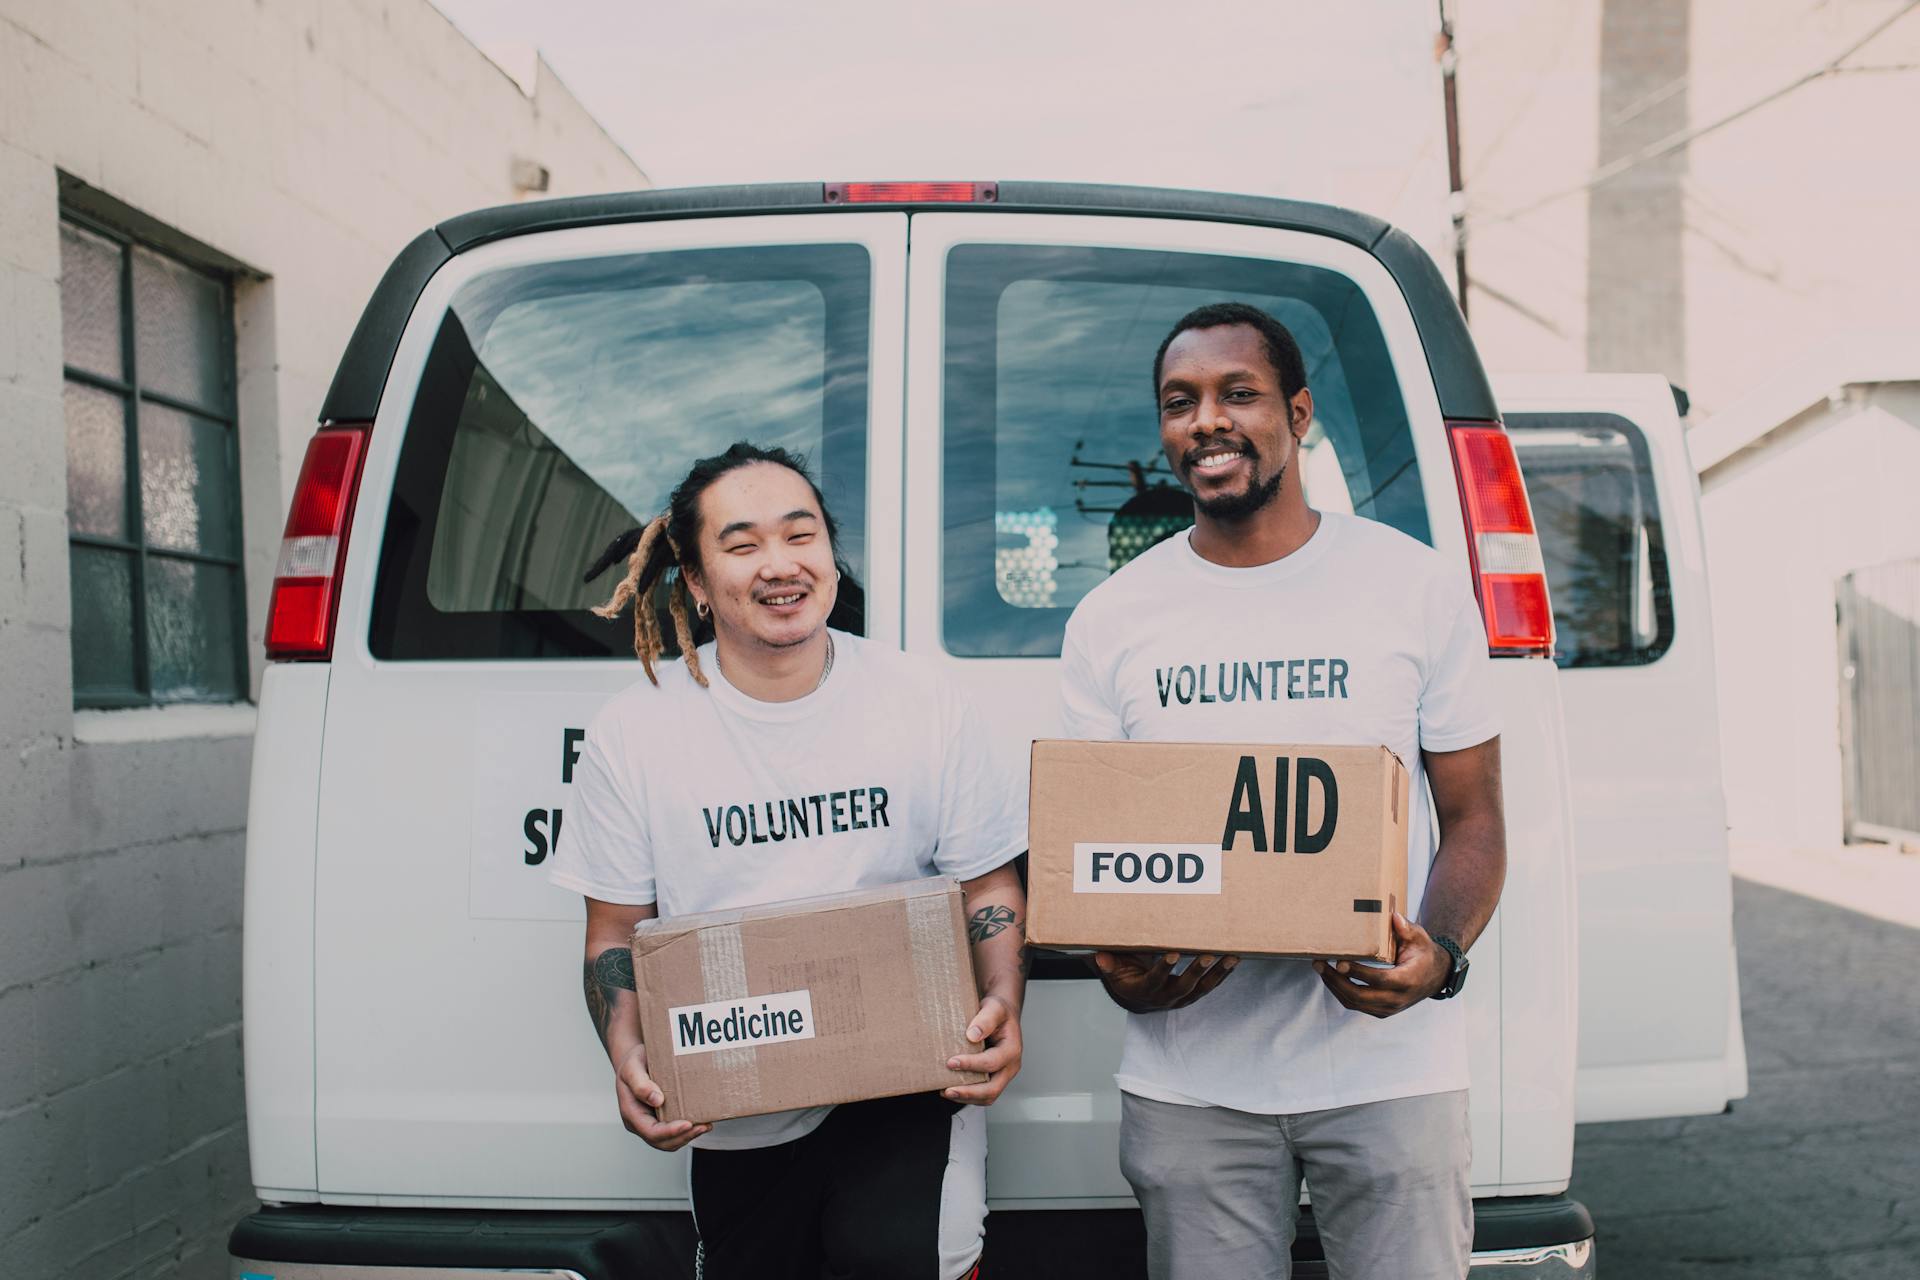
(1221, 1188)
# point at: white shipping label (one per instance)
(1122, 867)
(743, 1023)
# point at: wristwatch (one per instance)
(1458, 977)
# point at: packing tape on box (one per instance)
(936, 967)
(723, 976)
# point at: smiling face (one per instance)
(765, 562)
(1228, 428)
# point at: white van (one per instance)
(968, 366)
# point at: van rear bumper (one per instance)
(1522, 1238)
(325, 1242)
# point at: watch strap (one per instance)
(1457, 974)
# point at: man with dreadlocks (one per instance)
(785, 757)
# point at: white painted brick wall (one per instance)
(310, 141)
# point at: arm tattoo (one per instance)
(604, 977)
(989, 921)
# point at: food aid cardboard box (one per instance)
(802, 1004)
(1217, 848)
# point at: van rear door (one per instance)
(548, 391)
(1034, 471)
(1617, 505)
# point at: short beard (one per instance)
(1238, 506)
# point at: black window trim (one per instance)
(133, 394)
(396, 632)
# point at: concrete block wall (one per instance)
(122, 1142)
(300, 144)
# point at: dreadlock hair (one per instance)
(670, 542)
(1283, 353)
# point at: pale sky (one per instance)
(1335, 102)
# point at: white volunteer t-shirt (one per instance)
(1363, 636)
(704, 799)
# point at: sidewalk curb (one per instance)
(1874, 880)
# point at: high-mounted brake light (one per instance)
(313, 551)
(1509, 575)
(912, 192)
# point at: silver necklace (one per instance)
(826, 667)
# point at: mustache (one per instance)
(783, 588)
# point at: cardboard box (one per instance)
(802, 1004)
(1217, 848)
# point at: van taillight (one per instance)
(313, 551)
(1508, 573)
(911, 192)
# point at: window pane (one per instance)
(1590, 480)
(96, 461)
(563, 401)
(191, 630)
(178, 315)
(102, 621)
(646, 372)
(90, 333)
(1054, 477)
(186, 482)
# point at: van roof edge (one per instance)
(1458, 376)
(468, 230)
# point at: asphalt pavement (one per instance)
(1816, 1174)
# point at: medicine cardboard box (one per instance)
(802, 1004)
(1217, 848)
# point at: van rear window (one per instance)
(562, 401)
(1054, 476)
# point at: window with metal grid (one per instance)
(153, 498)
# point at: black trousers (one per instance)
(863, 1197)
